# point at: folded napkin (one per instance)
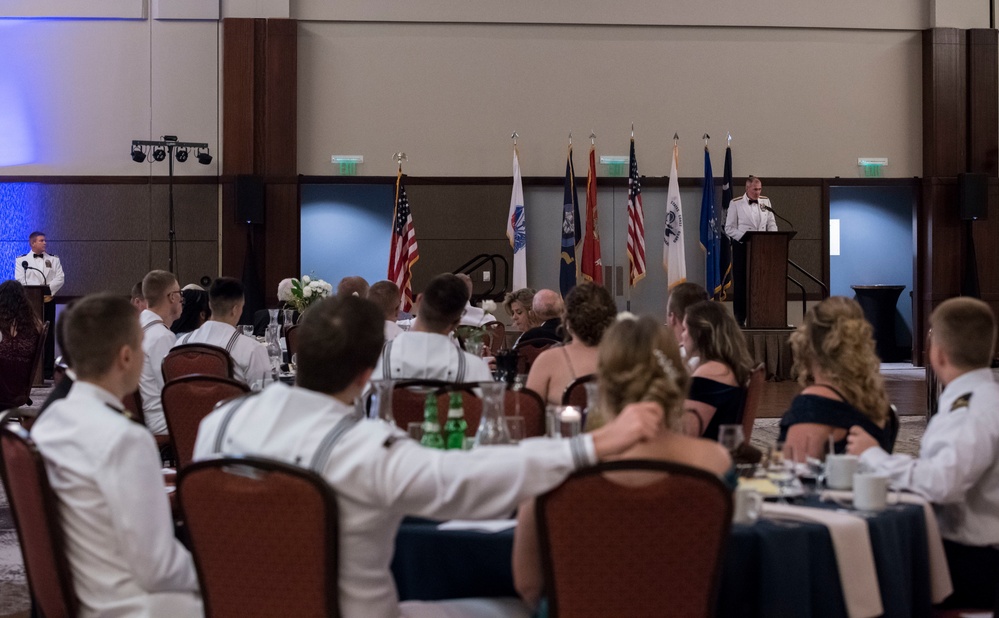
(854, 557)
(485, 525)
(940, 584)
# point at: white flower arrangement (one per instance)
(489, 306)
(301, 293)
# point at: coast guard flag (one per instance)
(571, 234)
(710, 234)
(725, 255)
(404, 252)
(516, 228)
(674, 260)
(591, 267)
(636, 223)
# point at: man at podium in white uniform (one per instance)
(749, 213)
(42, 268)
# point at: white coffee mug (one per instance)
(870, 491)
(840, 470)
(747, 503)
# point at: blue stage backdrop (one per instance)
(18, 218)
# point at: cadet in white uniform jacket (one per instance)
(157, 339)
(429, 356)
(105, 471)
(381, 476)
(249, 357)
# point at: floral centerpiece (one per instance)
(302, 293)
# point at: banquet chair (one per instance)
(575, 393)
(529, 351)
(751, 406)
(623, 550)
(133, 409)
(196, 358)
(18, 375)
(186, 402)
(409, 397)
(254, 555)
(495, 336)
(291, 339)
(36, 517)
(892, 426)
(528, 404)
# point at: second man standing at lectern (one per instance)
(749, 213)
(43, 268)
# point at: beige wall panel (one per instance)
(195, 212)
(799, 103)
(460, 211)
(959, 14)
(885, 14)
(194, 260)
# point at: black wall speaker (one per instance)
(972, 196)
(250, 199)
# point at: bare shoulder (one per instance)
(715, 370)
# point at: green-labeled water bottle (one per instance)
(455, 427)
(431, 425)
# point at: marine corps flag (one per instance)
(725, 254)
(710, 236)
(674, 260)
(516, 227)
(591, 266)
(571, 234)
(403, 253)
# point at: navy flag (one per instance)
(725, 252)
(571, 232)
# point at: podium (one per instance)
(766, 278)
(36, 298)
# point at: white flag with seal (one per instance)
(674, 260)
(516, 228)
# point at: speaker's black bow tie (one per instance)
(39, 255)
(754, 201)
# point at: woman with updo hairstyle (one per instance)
(835, 361)
(518, 305)
(589, 310)
(639, 361)
(719, 379)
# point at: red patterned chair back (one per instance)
(752, 404)
(17, 374)
(575, 393)
(620, 550)
(291, 339)
(188, 400)
(528, 352)
(528, 404)
(196, 359)
(409, 397)
(495, 336)
(255, 556)
(36, 517)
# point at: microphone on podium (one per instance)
(24, 265)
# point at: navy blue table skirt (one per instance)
(772, 568)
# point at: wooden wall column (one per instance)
(259, 137)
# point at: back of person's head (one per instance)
(965, 328)
(524, 297)
(639, 360)
(156, 285)
(467, 281)
(589, 310)
(837, 340)
(15, 311)
(387, 296)
(352, 286)
(682, 296)
(547, 304)
(95, 330)
(442, 302)
(136, 294)
(339, 338)
(195, 311)
(717, 337)
(224, 295)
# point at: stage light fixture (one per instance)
(138, 155)
(181, 155)
(204, 158)
(159, 154)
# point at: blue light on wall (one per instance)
(18, 218)
(346, 231)
(17, 144)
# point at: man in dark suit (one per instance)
(548, 306)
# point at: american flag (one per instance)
(636, 224)
(404, 252)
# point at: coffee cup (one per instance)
(870, 491)
(840, 470)
(747, 505)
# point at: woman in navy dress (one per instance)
(835, 361)
(721, 370)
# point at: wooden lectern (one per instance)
(766, 278)
(36, 298)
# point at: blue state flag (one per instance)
(710, 232)
(571, 232)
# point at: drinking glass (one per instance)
(564, 421)
(515, 427)
(779, 470)
(247, 329)
(381, 401)
(415, 431)
(293, 364)
(492, 426)
(730, 437)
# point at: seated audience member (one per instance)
(589, 310)
(547, 307)
(163, 294)
(138, 300)
(834, 360)
(19, 333)
(473, 316)
(378, 473)
(105, 472)
(639, 361)
(426, 351)
(958, 464)
(249, 358)
(682, 296)
(718, 383)
(352, 286)
(518, 305)
(387, 296)
(196, 309)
